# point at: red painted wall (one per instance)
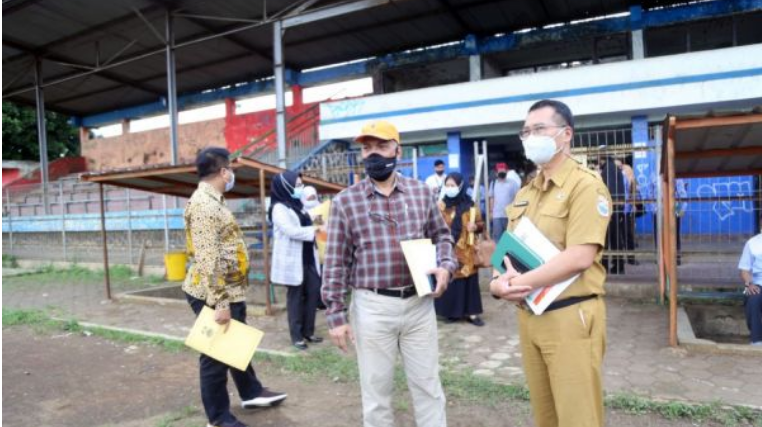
(240, 130)
(56, 169)
(152, 147)
(10, 175)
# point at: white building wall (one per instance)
(723, 78)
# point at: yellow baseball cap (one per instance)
(380, 129)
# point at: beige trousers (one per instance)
(563, 352)
(385, 327)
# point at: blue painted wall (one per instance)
(115, 221)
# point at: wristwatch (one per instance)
(490, 282)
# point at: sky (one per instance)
(333, 91)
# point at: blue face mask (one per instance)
(297, 194)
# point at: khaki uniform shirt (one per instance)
(215, 244)
(572, 208)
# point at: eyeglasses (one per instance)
(537, 130)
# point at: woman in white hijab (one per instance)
(310, 197)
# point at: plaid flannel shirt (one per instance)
(364, 233)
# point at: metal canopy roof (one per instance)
(182, 180)
(120, 43)
(725, 145)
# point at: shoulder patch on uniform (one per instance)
(603, 206)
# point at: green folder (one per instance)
(522, 256)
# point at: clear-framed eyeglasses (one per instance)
(537, 130)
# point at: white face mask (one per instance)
(541, 149)
(230, 184)
(451, 192)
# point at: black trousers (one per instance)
(630, 235)
(214, 374)
(616, 241)
(301, 303)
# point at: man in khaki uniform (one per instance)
(562, 348)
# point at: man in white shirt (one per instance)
(436, 180)
(502, 191)
(751, 273)
(513, 176)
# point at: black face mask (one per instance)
(439, 172)
(378, 167)
(501, 175)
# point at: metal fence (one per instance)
(716, 215)
(140, 224)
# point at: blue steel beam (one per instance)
(471, 45)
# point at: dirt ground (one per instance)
(73, 380)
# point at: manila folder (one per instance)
(234, 348)
(421, 257)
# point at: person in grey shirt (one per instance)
(501, 195)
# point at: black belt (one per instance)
(398, 293)
(569, 301)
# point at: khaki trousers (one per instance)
(384, 327)
(562, 352)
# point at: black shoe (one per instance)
(314, 339)
(235, 423)
(475, 320)
(301, 345)
(451, 320)
(266, 399)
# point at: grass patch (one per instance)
(317, 364)
(120, 275)
(475, 388)
(724, 414)
(10, 261)
(25, 317)
(331, 365)
(171, 420)
(41, 322)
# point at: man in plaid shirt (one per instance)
(366, 225)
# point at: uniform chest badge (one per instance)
(603, 206)
(521, 204)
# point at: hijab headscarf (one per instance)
(281, 190)
(462, 202)
(308, 192)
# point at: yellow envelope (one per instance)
(421, 257)
(235, 347)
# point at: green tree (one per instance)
(20, 134)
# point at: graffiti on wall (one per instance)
(734, 190)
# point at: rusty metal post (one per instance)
(105, 244)
(62, 204)
(670, 225)
(129, 225)
(10, 218)
(265, 243)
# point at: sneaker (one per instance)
(314, 339)
(235, 423)
(264, 400)
(301, 345)
(758, 343)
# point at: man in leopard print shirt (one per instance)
(217, 278)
